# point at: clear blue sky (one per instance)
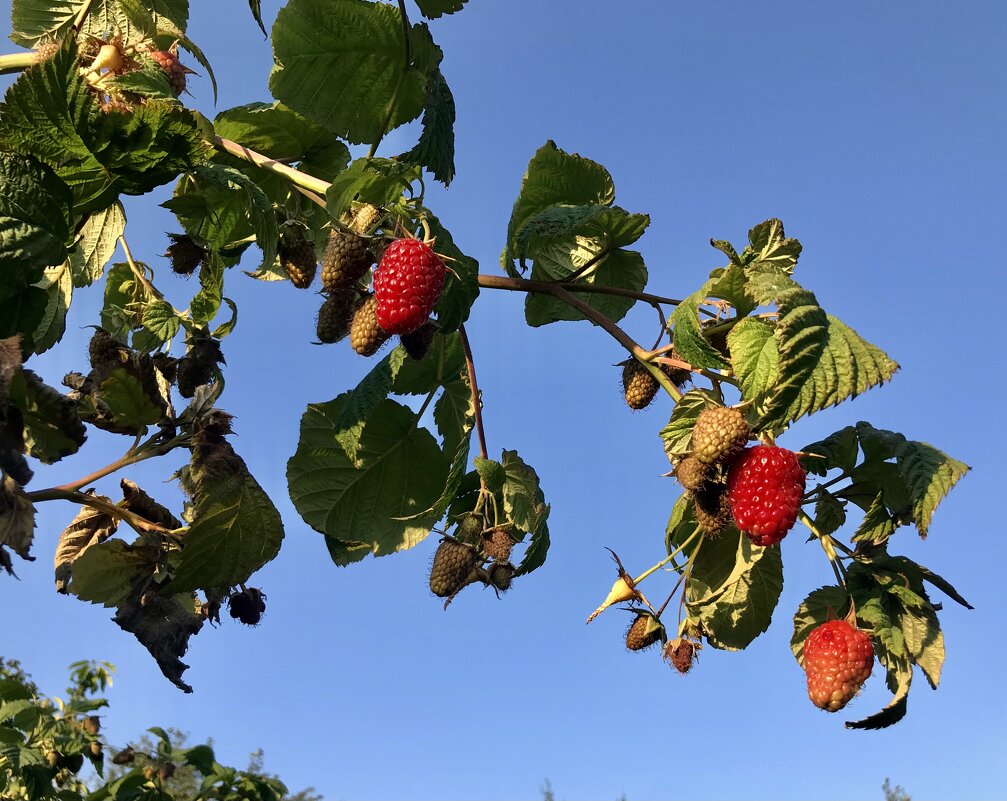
(876, 132)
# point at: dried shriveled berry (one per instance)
(712, 509)
(185, 254)
(681, 653)
(497, 544)
(247, 605)
(417, 344)
(692, 473)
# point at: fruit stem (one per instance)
(141, 276)
(298, 178)
(828, 545)
(546, 287)
(712, 375)
(667, 559)
(16, 62)
(470, 365)
(394, 101)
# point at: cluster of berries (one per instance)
(758, 488)
(474, 553)
(408, 282)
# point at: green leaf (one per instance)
(376, 181)
(830, 513)
(108, 573)
(925, 641)
(35, 21)
(456, 475)
(432, 9)
(22, 314)
(436, 148)
(362, 401)
(96, 243)
(740, 608)
(443, 363)
(894, 711)
(878, 525)
(134, 404)
(678, 433)
(621, 269)
(731, 284)
(929, 474)
(452, 412)
(524, 502)
(160, 320)
(690, 343)
(491, 472)
(770, 246)
(819, 607)
(535, 554)
(256, 8)
(838, 450)
(235, 529)
(163, 626)
(801, 334)
(57, 283)
(50, 114)
(282, 134)
(398, 471)
(52, 428)
(35, 215)
(754, 356)
(124, 298)
(220, 206)
(943, 585)
(341, 63)
(555, 177)
(149, 81)
(206, 303)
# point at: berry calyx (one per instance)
(838, 659)
(407, 283)
(765, 485)
(719, 433)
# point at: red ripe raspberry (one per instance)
(838, 659)
(765, 486)
(407, 285)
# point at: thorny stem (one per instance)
(394, 102)
(671, 595)
(810, 493)
(688, 572)
(474, 387)
(296, 177)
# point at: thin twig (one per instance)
(474, 388)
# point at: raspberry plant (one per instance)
(96, 112)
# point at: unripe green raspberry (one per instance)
(335, 316)
(720, 432)
(366, 336)
(346, 259)
(692, 473)
(453, 562)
